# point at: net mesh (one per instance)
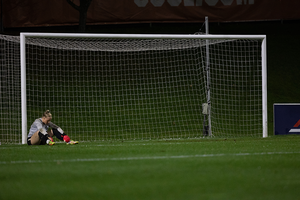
(98, 93)
(10, 90)
(236, 88)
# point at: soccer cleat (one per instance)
(72, 142)
(50, 143)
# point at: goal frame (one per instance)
(23, 37)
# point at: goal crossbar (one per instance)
(142, 36)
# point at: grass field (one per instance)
(243, 168)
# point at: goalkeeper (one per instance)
(40, 134)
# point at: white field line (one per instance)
(144, 144)
(143, 158)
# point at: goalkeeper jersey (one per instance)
(37, 125)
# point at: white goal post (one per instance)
(138, 86)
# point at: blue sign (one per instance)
(286, 118)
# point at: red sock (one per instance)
(66, 138)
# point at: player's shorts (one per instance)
(29, 141)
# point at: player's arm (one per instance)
(50, 132)
(40, 127)
(52, 125)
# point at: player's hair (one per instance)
(47, 114)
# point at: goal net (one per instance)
(119, 87)
(10, 90)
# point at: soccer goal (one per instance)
(142, 86)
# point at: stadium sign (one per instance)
(159, 3)
(59, 13)
(286, 118)
(296, 128)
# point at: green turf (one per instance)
(243, 168)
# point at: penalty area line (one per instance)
(142, 158)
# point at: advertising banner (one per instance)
(286, 119)
(31, 13)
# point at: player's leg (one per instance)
(59, 133)
(39, 138)
(35, 139)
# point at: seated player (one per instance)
(40, 134)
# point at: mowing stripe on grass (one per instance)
(142, 158)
